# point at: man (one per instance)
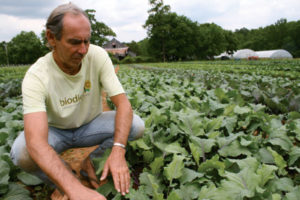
(62, 109)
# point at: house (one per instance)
(118, 49)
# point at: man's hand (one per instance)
(116, 164)
(86, 193)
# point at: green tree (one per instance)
(280, 35)
(3, 56)
(231, 42)
(25, 48)
(100, 31)
(158, 28)
(143, 46)
(134, 47)
(180, 45)
(211, 41)
(292, 42)
(171, 37)
(45, 49)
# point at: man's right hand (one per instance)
(86, 194)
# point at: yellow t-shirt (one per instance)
(70, 100)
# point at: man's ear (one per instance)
(50, 38)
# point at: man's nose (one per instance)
(83, 48)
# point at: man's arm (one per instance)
(36, 135)
(116, 162)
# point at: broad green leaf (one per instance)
(152, 186)
(148, 156)
(234, 149)
(293, 195)
(294, 126)
(284, 143)
(215, 106)
(240, 185)
(205, 145)
(99, 162)
(229, 123)
(176, 149)
(276, 197)
(190, 190)
(157, 164)
(195, 152)
(117, 197)
(211, 193)
(223, 98)
(3, 137)
(279, 161)
(3, 151)
(4, 176)
(266, 156)
(16, 192)
(142, 145)
(249, 162)
(29, 179)
(211, 164)
(245, 142)
(191, 125)
(266, 173)
(137, 194)
(188, 175)
(214, 124)
(107, 188)
(294, 155)
(174, 169)
(284, 184)
(229, 110)
(241, 110)
(175, 195)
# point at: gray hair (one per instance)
(55, 20)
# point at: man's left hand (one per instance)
(116, 164)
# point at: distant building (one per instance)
(250, 54)
(275, 54)
(244, 54)
(118, 49)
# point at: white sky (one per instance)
(126, 17)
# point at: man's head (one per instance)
(55, 20)
(68, 33)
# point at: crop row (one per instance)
(210, 134)
(208, 142)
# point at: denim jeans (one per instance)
(99, 131)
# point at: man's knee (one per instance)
(20, 156)
(137, 128)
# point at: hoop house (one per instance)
(275, 54)
(244, 54)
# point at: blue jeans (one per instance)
(99, 131)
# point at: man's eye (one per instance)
(75, 42)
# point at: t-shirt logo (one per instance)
(87, 86)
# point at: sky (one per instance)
(126, 17)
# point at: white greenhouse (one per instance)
(244, 54)
(275, 54)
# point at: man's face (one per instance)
(74, 43)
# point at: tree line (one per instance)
(27, 47)
(173, 37)
(170, 37)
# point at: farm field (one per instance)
(214, 130)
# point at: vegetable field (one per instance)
(214, 130)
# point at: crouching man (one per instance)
(63, 109)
